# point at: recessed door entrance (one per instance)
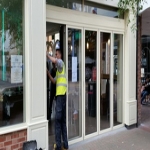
(94, 69)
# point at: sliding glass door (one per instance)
(90, 49)
(75, 101)
(117, 79)
(95, 81)
(105, 70)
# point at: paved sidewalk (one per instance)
(119, 139)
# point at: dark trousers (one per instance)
(52, 95)
(60, 122)
(143, 95)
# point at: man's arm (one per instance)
(51, 78)
(54, 60)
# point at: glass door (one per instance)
(117, 79)
(74, 65)
(90, 49)
(105, 67)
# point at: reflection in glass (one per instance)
(90, 80)
(117, 82)
(99, 9)
(11, 63)
(75, 5)
(87, 6)
(74, 84)
(105, 81)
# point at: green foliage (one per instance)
(133, 5)
(12, 18)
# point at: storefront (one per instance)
(99, 51)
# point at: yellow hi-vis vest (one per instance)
(61, 82)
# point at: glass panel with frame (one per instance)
(99, 9)
(105, 44)
(11, 63)
(87, 6)
(90, 81)
(117, 79)
(74, 5)
(74, 83)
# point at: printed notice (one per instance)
(16, 68)
(74, 69)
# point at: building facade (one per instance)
(99, 50)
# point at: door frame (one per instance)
(81, 20)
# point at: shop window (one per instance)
(11, 62)
(100, 9)
(75, 5)
(86, 6)
(145, 55)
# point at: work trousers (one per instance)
(60, 122)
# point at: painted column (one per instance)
(35, 72)
(130, 72)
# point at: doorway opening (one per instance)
(54, 40)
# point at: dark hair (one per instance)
(59, 51)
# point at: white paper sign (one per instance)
(74, 69)
(16, 68)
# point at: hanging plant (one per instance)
(134, 6)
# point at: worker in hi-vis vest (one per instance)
(61, 88)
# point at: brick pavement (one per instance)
(119, 139)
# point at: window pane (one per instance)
(105, 80)
(11, 62)
(91, 82)
(74, 83)
(118, 72)
(100, 9)
(75, 5)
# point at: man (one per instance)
(61, 88)
(145, 90)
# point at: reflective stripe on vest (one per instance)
(61, 82)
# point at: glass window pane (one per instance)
(99, 9)
(117, 82)
(105, 81)
(90, 80)
(75, 5)
(74, 84)
(11, 62)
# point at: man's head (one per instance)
(58, 54)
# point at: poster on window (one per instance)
(16, 68)
(74, 69)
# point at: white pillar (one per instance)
(130, 73)
(35, 71)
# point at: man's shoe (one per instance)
(143, 103)
(62, 148)
(55, 146)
